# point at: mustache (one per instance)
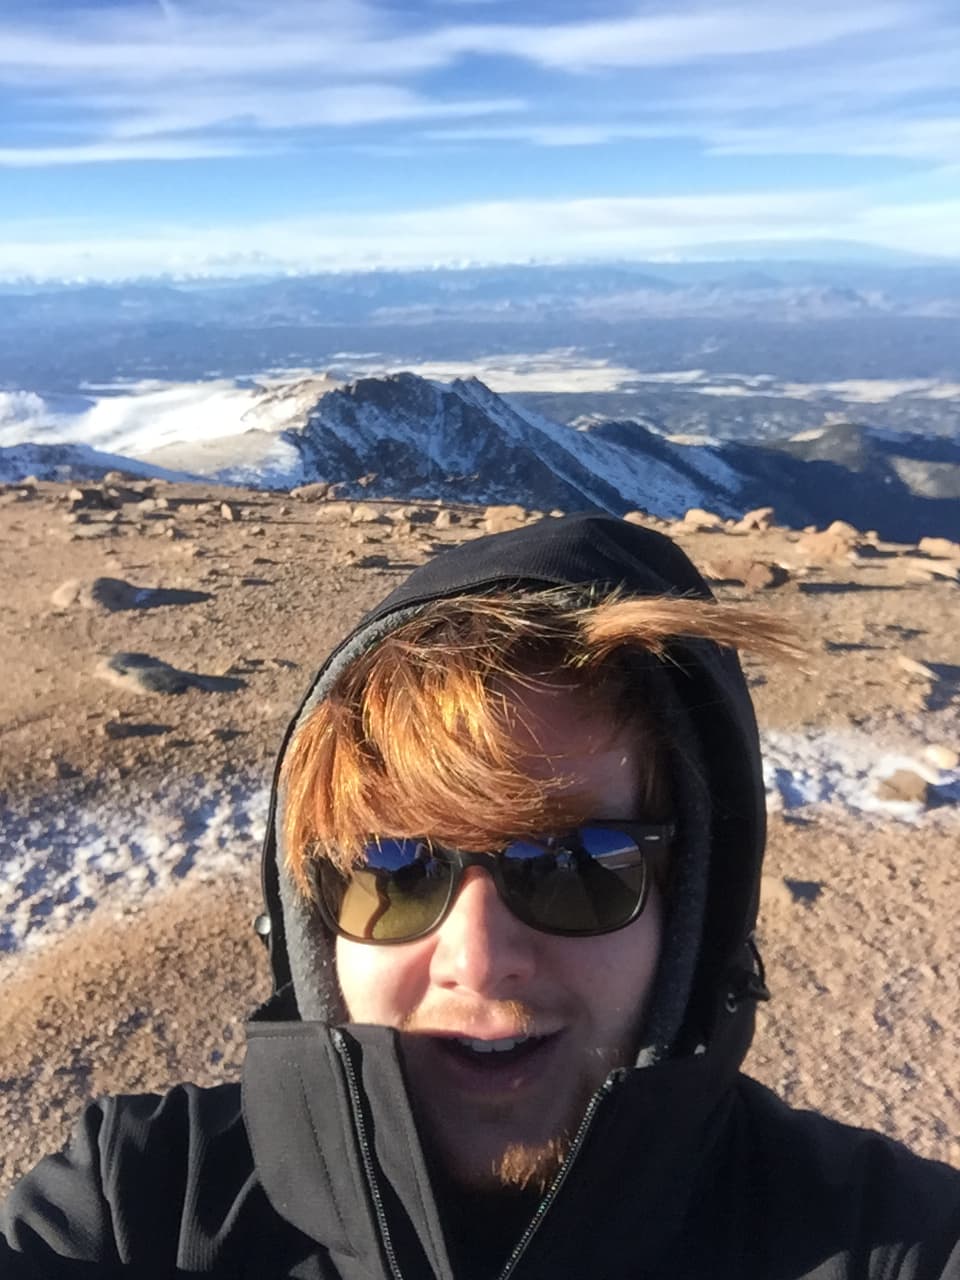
(520, 1016)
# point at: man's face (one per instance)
(486, 976)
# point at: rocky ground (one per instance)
(155, 639)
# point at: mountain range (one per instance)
(408, 437)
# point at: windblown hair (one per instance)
(418, 737)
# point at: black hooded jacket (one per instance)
(683, 1167)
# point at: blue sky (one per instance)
(227, 136)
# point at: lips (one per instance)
(487, 1067)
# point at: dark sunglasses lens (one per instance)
(398, 892)
(592, 881)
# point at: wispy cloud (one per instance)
(706, 32)
(277, 109)
(113, 152)
(164, 68)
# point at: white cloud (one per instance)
(677, 38)
(492, 231)
(112, 152)
(169, 68)
(339, 105)
(933, 138)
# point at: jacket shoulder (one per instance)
(859, 1194)
(144, 1178)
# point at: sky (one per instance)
(230, 137)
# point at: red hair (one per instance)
(415, 738)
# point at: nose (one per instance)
(482, 947)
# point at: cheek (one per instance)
(381, 985)
(619, 975)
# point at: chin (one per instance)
(516, 1165)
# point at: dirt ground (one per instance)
(859, 926)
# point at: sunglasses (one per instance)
(591, 880)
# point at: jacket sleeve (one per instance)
(147, 1184)
(59, 1210)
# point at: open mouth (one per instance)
(493, 1055)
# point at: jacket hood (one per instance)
(713, 969)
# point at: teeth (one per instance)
(492, 1046)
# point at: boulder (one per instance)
(142, 673)
(755, 575)
(942, 756)
(367, 513)
(446, 519)
(114, 595)
(228, 511)
(904, 786)
(913, 668)
(940, 548)
(830, 545)
(699, 521)
(637, 517)
(501, 519)
(87, 499)
(332, 512)
(759, 519)
(319, 491)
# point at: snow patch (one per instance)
(833, 767)
(58, 865)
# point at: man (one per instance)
(511, 878)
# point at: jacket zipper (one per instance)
(353, 1089)
(554, 1189)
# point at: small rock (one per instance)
(61, 769)
(373, 562)
(914, 668)
(446, 519)
(905, 786)
(90, 532)
(229, 512)
(637, 517)
(258, 531)
(942, 756)
(500, 519)
(116, 729)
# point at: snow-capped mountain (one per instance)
(406, 436)
(420, 438)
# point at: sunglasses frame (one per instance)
(648, 837)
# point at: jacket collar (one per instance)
(338, 1154)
